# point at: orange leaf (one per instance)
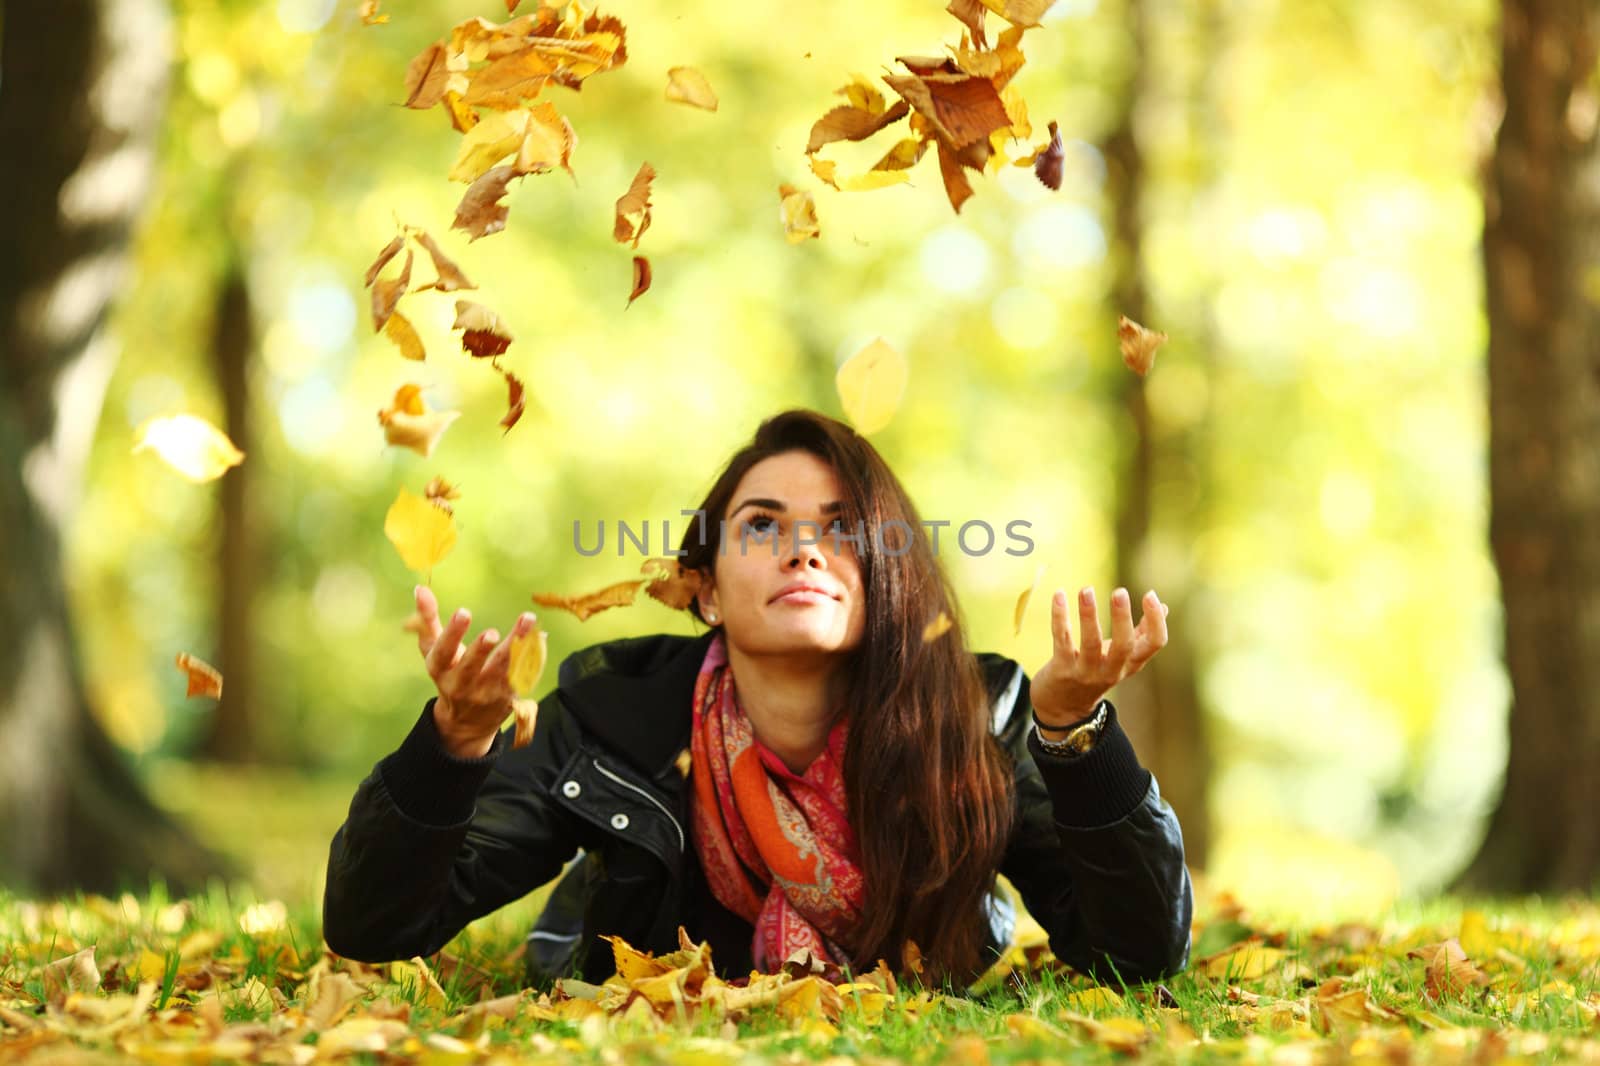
(426, 77)
(407, 422)
(480, 212)
(673, 584)
(641, 278)
(937, 628)
(636, 201)
(547, 142)
(971, 14)
(386, 294)
(962, 108)
(956, 185)
(450, 276)
(508, 81)
(621, 594)
(483, 335)
(1138, 345)
(515, 400)
(390, 250)
(204, 680)
(850, 123)
(370, 15)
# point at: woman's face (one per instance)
(778, 536)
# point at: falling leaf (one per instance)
(480, 211)
(190, 445)
(686, 85)
(911, 958)
(1020, 12)
(526, 712)
(426, 77)
(956, 186)
(962, 109)
(422, 533)
(508, 80)
(905, 154)
(799, 213)
(1138, 345)
(937, 628)
(204, 680)
(527, 659)
(672, 583)
(390, 250)
(621, 594)
(864, 115)
(487, 143)
(635, 202)
(547, 141)
(684, 762)
(441, 494)
(515, 400)
(386, 294)
(1021, 609)
(641, 278)
(404, 335)
(450, 276)
(1050, 164)
(483, 335)
(370, 15)
(971, 14)
(407, 422)
(871, 384)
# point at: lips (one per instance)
(802, 587)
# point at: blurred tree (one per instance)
(1171, 736)
(1541, 226)
(78, 145)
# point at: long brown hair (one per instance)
(930, 791)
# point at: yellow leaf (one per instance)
(686, 85)
(620, 594)
(871, 384)
(407, 423)
(528, 658)
(1021, 610)
(1138, 345)
(799, 214)
(937, 628)
(487, 143)
(190, 445)
(1244, 962)
(547, 142)
(1091, 999)
(404, 335)
(422, 533)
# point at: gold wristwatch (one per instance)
(1080, 738)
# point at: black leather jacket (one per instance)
(433, 842)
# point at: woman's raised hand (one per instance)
(474, 681)
(1068, 686)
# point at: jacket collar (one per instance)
(636, 695)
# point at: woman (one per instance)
(811, 774)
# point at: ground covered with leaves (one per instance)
(212, 979)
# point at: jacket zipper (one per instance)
(682, 844)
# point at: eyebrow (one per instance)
(777, 505)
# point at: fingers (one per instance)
(428, 611)
(1090, 641)
(1151, 636)
(471, 665)
(1060, 632)
(1121, 623)
(447, 648)
(498, 665)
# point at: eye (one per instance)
(837, 525)
(754, 525)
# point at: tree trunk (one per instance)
(1541, 239)
(1168, 729)
(232, 734)
(84, 89)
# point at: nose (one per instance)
(805, 555)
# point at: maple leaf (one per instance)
(188, 444)
(586, 605)
(480, 212)
(686, 85)
(1138, 345)
(871, 384)
(407, 422)
(422, 533)
(204, 679)
(635, 202)
(515, 400)
(799, 214)
(483, 335)
(386, 293)
(641, 278)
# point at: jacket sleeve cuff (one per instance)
(1098, 788)
(429, 784)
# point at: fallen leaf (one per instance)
(480, 211)
(871, 384)
(407, 422)
(641, 278)
(937, 628)
(516, 400)
(1242, 962)
(71, 973)
(404, 335)
(1021, 609)
(483, 334)
(1138, 345)
(370, 15)
(1449, 972)
(422, 533)
(635, 202)
(686, 85)
(190, 445)
(584, 606)
(204, 679)
(911, 958)
(799, 214)
(386, 294)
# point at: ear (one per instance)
(706, 596)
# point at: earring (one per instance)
(711, 617)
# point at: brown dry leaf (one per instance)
(71, 973)
(190, 445)
(906, 153)
(516, 400)
(480, 211)
(956, 185)
(525, 712)
(422, 533)
(1050, 164)
(1341, 1010)
(404, 335)
(370, 15)
(390, 250)
(799, 214)
(971, 14)
(1138, 345)
(507, 81)
(1449, 972)
(850, 122)
(937, 628)
(407, 422)
(911, 958)
(962, 109)
(329, 997)
(621, 594)
(1021, 610)
(204, 679)
(641, 278)
(450, 276)
(483, 335)
(1020, 13)
(634, 202)
(386, 294)
(686, 85)
(426, 77)
(441, 494)
(673, 584)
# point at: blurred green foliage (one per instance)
(1312, 216)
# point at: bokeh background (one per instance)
(1303, 475)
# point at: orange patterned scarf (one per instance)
(776, 846)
